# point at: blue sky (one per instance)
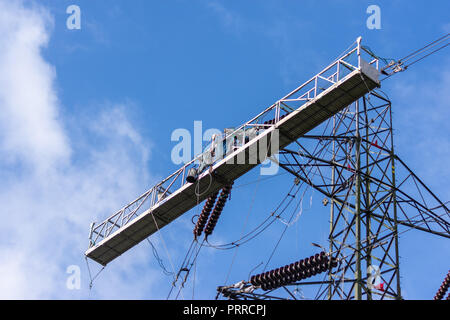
(87, 117)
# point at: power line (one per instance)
(400, 65)
(421, 49)
(429, 54)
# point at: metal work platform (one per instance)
(341, 83)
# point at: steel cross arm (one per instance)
(410, 225)
(423, 184)
(438, 220)
(333, 163)
(401, 222)
(326, 137)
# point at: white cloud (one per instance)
(231, 20)
(53, 184)
(29, 106)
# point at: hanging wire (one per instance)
(159, 260)
(320, 152)
(270, 219)
(187, 257)
(164, 243)
(187, 270)
(243, 228)
(197, 186)
(300, 212)
(281, 237)
(251, 271)
(370, 52)
(92, 279)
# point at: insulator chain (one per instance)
(204, 215)
(443, 288)
(294, 272)
(224, 194)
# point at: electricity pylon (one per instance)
(373, 197)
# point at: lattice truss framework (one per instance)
(373, 197)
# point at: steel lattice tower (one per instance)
(372, 195)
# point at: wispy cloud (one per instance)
(29, 118)
(53, 185)
(231, 20)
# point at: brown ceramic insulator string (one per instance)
(204, 215)
(297, 271)
(443, 288)
(224, 194)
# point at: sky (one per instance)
(87, 116)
